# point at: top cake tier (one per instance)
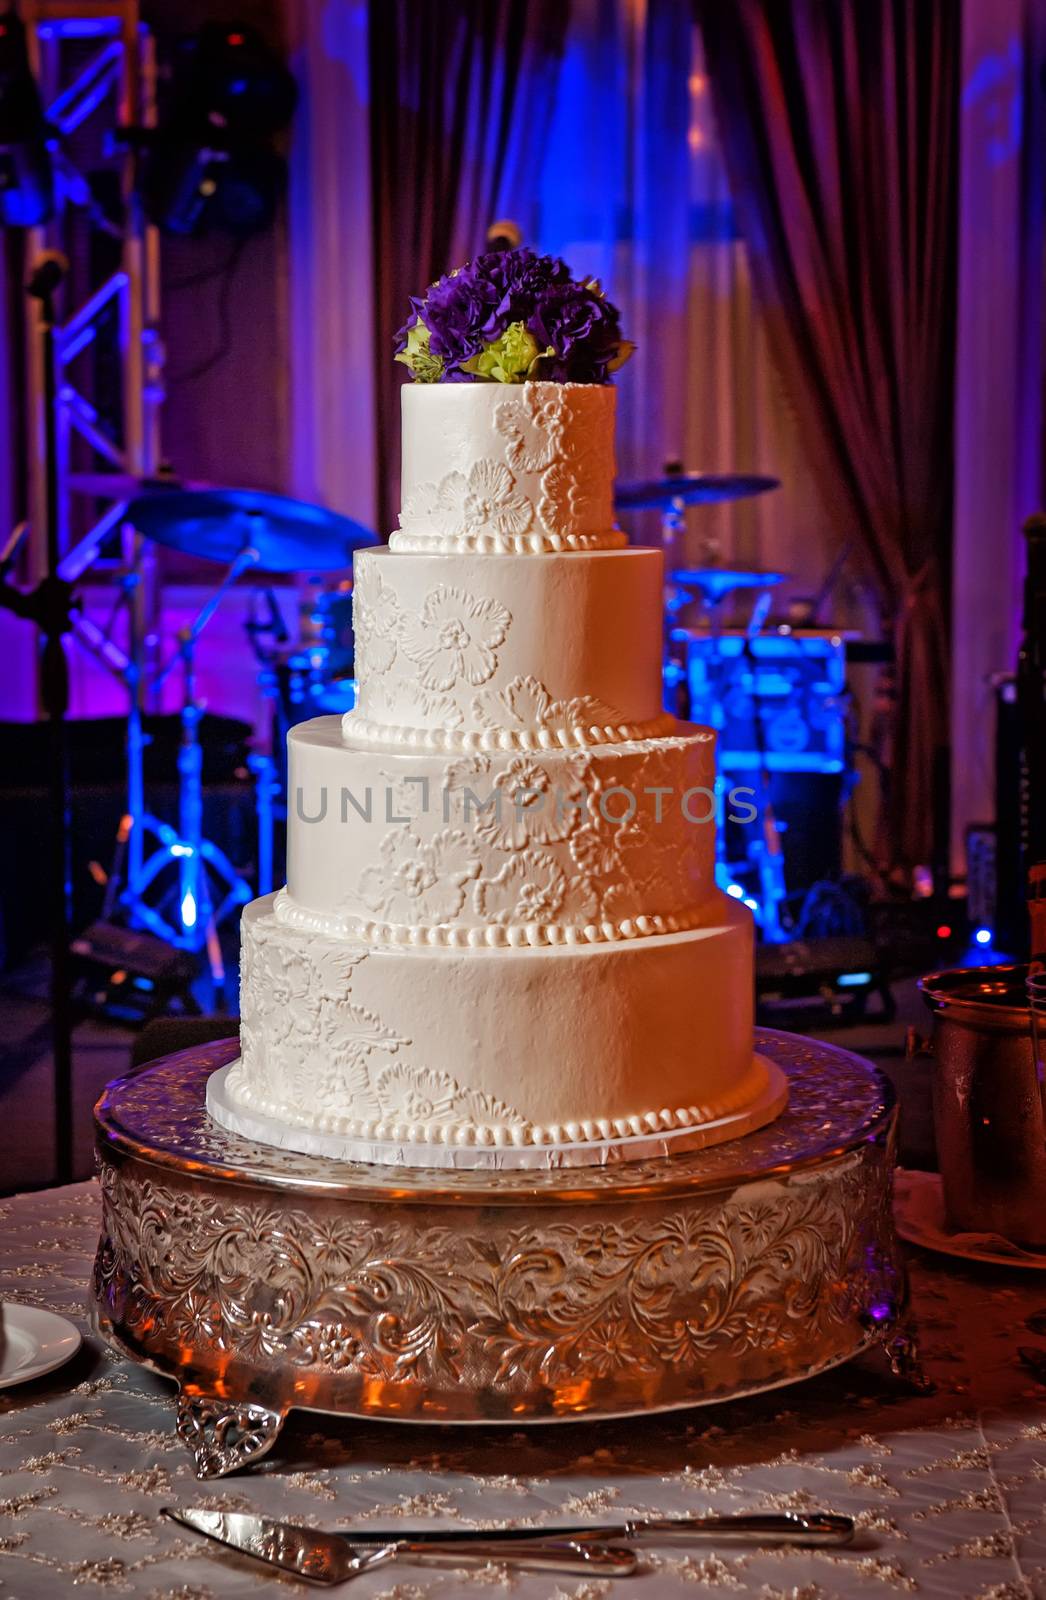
(507, 468)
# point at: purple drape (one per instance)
(462, 93)
(839, 120)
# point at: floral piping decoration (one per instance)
(525, 704)
(454, 638)
(304, 1011)
(415, 882)
(375, 624)
(485, 497)
(422, 1095)
(531, 887)
(538, 442)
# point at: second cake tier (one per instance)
(499, 847)
(507, 652)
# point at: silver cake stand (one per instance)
(261, 1280)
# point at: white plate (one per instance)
(33, 1342)
(919, 1215)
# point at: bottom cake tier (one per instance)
(455, 1052)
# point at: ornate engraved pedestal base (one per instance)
(261, 1280)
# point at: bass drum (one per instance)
(308, 689)
(325, 622)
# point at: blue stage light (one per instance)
(753, 905)
(735, 891)
(983, 936)
(189, 909)
(853, 980)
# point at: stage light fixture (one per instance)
(26, 176)
(212, 165)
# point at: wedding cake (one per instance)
(501, 941)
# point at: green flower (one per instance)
(510, 358)
(426, 367)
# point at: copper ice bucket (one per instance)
(988, 1108)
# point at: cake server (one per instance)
(332, 1558)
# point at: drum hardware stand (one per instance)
(267, 789)
(673, 527)
(198, 858)
(196, 916)
(49, 605)
(267, 631)
(767, 851)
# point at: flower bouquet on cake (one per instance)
(512, 317)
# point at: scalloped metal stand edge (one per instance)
(261, 1281)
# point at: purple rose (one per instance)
(523, 278)
(459, 314)
(583, 329)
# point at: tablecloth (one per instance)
(948, 1488)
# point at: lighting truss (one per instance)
(95, 63)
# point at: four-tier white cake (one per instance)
(500, 939)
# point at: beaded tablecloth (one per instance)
(948, 1489)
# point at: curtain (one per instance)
(331, 279)
(645, 205)
(839, 124)
(999, 389)
(461, 94)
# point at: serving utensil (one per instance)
(746, 1527)
(332, 1558)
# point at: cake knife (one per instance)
(332, 1558)
(746, 1527)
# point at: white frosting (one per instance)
(497, 1047)
(500, 930)
(422, 848)
(507, 652)
(237, 1112)
(507, 467)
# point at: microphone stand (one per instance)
(48, 606)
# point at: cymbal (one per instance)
(713, 583)
(693, 488)
(219, 524)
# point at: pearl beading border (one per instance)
(499, 1134)
(369, 731)
(491, 936)
(518, 544)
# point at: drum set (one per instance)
(169, 880)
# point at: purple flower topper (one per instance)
(508, 316)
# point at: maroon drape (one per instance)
(839, 121)
(461, 96)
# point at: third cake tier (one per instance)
(499, 847)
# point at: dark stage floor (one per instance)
(102, 1050)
